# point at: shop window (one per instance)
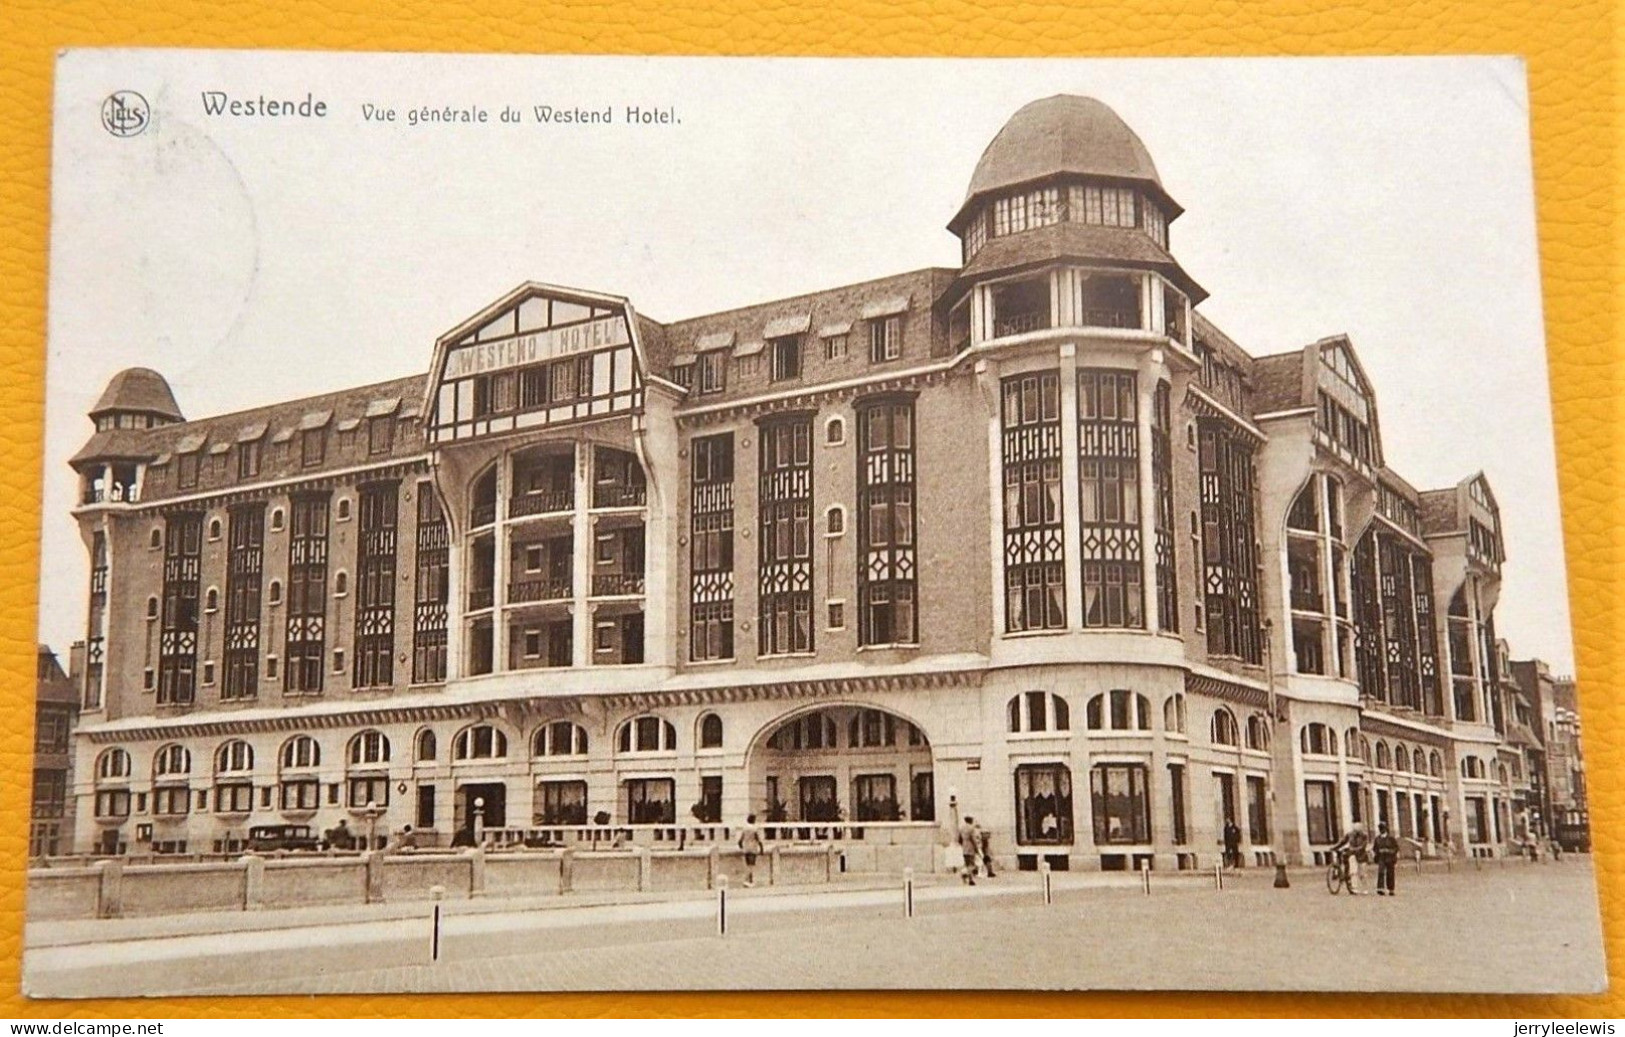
(1121, 806)
(1043, 804)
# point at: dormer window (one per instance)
(186, 471)
(785, 354)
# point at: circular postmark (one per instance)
(125, 113)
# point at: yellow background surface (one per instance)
(1572, 50)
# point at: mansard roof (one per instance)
(1127, 246)
(398, 396)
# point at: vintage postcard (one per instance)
(539, 523)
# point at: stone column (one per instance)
(567, 869)
(476, 871)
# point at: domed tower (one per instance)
(135, 400)
(1065, 226)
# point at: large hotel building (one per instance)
(1027, 539)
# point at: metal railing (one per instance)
(524, 591)
(481, 598)
(482, 514)
(542, 502)
(612, 584)
(1111, 318)
(1020, 323)
(613, 836)
(619, 495)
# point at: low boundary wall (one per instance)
(114, 888)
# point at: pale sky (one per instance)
(253, 260)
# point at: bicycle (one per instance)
(1337, 874)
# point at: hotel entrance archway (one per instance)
(848, 763)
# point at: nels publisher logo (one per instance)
(125, 113)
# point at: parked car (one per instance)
(266, 838)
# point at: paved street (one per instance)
(1504, 928)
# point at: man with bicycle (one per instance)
(1351, 852)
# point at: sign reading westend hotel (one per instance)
(534, 347)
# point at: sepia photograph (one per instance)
(539, 523)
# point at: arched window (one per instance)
(211, 600)
(835, 432)
(1304, 515)
(1436, 764)
(301, 751)
(428, 747)
(1402, 757)
(646, 735)
(1472, 767)
(1173, 713)
(1384, 760)
(480, 742)
(275, 593)
(710, 731)
(113, 763)
(1317, 740)
(871, 729)
(835, 521)
(1258, 732)
(152, 608)
(214, 529)
(341, 584)
(156, 540)
(1365, 749)
(1351, 743)
(1118, 710)
(813, 731)
(1222, 729)
(1501, 773)
(1419, 761)
(233, 757)
(1037, 711)
(343, 508)
(171, 761)
(369, 746)
(276, 520)
(559, 738)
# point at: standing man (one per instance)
(1386, 849)
(1232, 844)
(970, 848)
(750, 843)
(984, 839)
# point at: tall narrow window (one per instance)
(885, 339)
(1162, 488)
(1229, 554)
(785, 576)
(1109, 498)
(711, 580)
(886, 530)
(307, 594)
(96, 638)
(431, 589)
(1034, 557)
(375, 586)
(177, 653)
(245, 565)
(785, 354)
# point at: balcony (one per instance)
(1307, 600)
(117, 493)
(1114, 318)
(522, 592)
(619, 495)
(542, 502)
(483, 514)
(1020, 323)
(607, 585)
(481, 598)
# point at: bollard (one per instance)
(1044, 881)
(1218, 876)
(722, 905)
(1145, 876)
(908, 892)
(436, 892)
